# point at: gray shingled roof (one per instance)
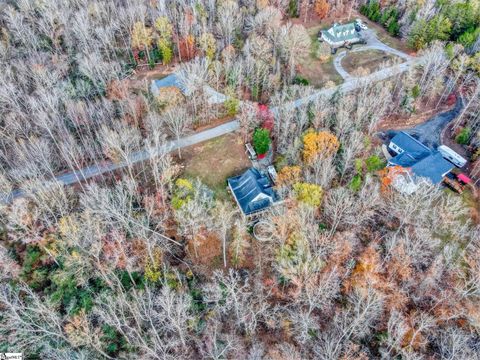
(433, 167)
(429, 165)
(408, 143)
(252, 190)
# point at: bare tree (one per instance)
(177, 121)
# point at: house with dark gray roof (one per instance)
(253, 191)
(421, 162)
(404, 142)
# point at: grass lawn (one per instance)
(316, 71)
(368, 59)
(214, 161)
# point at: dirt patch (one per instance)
(214, 161)
(206, 251)
(158, 72)
(214, 123)
(370, 60)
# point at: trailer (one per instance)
(252, 155)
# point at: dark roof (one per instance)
(167, 81)
(341, 32)
(406, 159)
(252, 190)
(409, 144)
(433, 167)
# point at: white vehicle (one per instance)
(362, 25)
(452, 156)
(250, 152)
(272, 173)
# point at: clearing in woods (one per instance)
(214, 161)
(370, 60)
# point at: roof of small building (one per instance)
(433, 167)
(252, 190)
(409, 144)
(168, 81)
(341, 32)
(172, 80)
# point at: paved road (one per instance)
(92, 171)
(355, 83)
(96, 170)
(430, 131)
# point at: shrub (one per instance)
(112, 340)
(67, 293)
(300, 80)
(371, 11)
(356, 183)
(231, 106)
(416, 91)
(464, 136)
(322, 143)
(261, 141)
(374, 163)
(469, 37)
(292, 8)
(321, 8)
(289, 175)
(182, 193)
(393, 27)
(165, 49)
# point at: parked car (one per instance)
(361, 24)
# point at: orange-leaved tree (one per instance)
(321, 8)
(289, 175)
(187, 47)
(316, 144)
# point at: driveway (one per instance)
(430, 131)
(373, 43)
(92, 171)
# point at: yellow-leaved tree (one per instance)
(317, 144)
(142, 37)
(208, 45)
(309, 194)
(164, 42)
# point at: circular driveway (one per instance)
(373, 43)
